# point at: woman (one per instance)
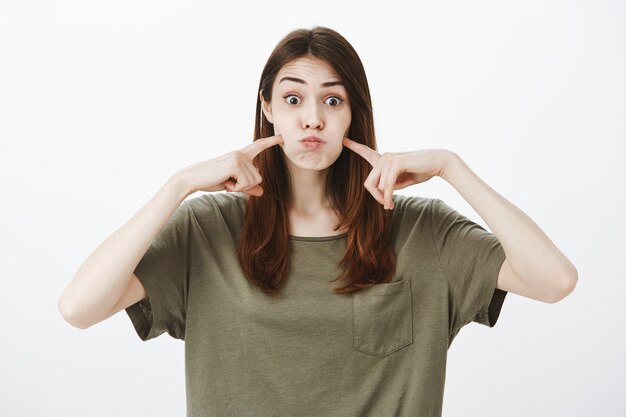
(243, 276)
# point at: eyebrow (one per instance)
(298, 80)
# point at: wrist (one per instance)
(180, 185)
(449, 163)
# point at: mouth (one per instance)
(312, 142)
(312, 139)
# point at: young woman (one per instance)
(244, 276)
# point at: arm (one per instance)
(534, 266)
(104, 281)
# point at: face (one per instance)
(308, 99)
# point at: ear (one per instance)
(266, 107)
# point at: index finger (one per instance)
(261, 144)
(369, 154)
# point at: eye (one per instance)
(336, 99)
(294, 99)
(291, 101)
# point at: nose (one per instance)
(312, 117)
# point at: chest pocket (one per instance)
(383, 318)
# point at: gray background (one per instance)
(100, 102)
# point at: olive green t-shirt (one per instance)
(378, 352)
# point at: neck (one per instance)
(308, 190)
(310, 213)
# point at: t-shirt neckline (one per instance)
(318, 238)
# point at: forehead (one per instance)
(309, 69)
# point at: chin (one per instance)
(314, 161)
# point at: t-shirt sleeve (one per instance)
(471, 258)
(164, 272)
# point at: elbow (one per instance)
(69, 314)
(567, 284)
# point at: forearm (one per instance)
(530, 253)
(105, 274)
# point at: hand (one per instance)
(396, 170)
(233, 171)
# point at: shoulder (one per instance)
(412, 208)
(412, 229)
(218, 212)
(434, 208)
(225, 203)
(411, 219)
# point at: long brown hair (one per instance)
(264, 246)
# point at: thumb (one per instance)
(255, 191)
